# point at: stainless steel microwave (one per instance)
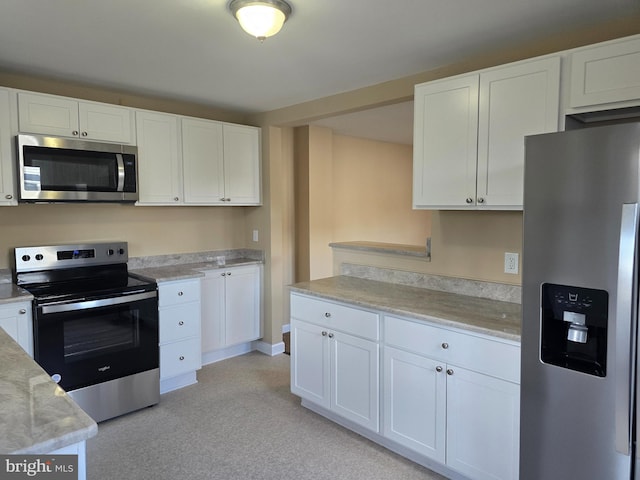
(53, 169)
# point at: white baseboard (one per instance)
(286, 328)
(268, 349)
(174, 383)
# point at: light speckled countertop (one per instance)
(187, 270)
(36, 415)
(10, 293)
(480, 315)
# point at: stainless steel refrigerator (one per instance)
(580, 305)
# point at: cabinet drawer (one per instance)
(179, 322)
(336, 316)
(492, 357)
(172, 293)
(179, 357)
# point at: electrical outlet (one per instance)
(511, 263)
(255, 235)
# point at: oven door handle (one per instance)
(105, 302)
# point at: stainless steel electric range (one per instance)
(95, 327)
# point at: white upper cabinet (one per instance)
(241, 164)
(66, 117)
(159, 160)
(605, 74)
(202, 156)
(193, 161)
(7, 184)
(469, 134)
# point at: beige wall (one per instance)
(149, 230)
(372, 193)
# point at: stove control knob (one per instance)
(110, 252)
(26, 258)
(121, 251)
(39, 256)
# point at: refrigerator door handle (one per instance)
(625, 326)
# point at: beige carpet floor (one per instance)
(239, 422)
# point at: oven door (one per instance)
(86, 342)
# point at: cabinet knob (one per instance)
(74, 133)
(324, 334)
(176, 199)
(469, 200)
(180, 294)
(181, 323)
(445, 345)
(84, 134)
(331, 335)
(327, 314)
(8, 197)
(438, 369)
(223, 274)
(22, 311)
(449, 371)
(228, 274)
(480, 200)
(181, 357)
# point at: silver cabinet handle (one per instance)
(445, 345)
(480, 200)
(469, 200)
(84, 134)
(324, 334)
(181, 357)
(176, 199)
(180, 294)
(180, 323)
(74, 133)
(8, 197)
(438, 369)
(22, 311)
(327, 314)
(449, 371)
(331, 335)
(228, 273)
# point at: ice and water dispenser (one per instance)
(574, 328)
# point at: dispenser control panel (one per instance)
(574, 328)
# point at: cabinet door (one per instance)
(483, 418)
(415, 402)
(445, 141)
(514, 101)
(354, 379)
(242, 164)
(105, 122)
(213, 311)
(180, 357)
(15, 319)
(606, 74)
(159, 171)
(310, 362)
(202, 161)
(47, 115)
(7, 186)
(242, 305)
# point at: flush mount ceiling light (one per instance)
(260, 18)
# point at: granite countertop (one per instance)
(480, 315)
(10, 293)
(36, 415)
(188, 270)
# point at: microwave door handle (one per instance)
(626, 315)
(120, 161)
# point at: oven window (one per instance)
(101, 334)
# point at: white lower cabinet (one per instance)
(231, 312)
(15, 319)
(179, 312)
(334, 363)
(453, 397)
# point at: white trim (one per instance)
(174, 383)
(286, 328)
(268, 349)
(229, 352)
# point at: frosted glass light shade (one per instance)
(260, 19)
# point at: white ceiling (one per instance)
(194, 50)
